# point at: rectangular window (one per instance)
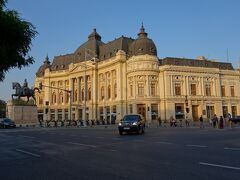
(130, 108)
(223, 91)
(153, 89)
(225, 111)
(193, 89)
(210, 111)
(154, 113)
(131, 90)
(208, 89)
(59, 116)
(177, 89)
(114, 110)
(232, 91)
(179, 110)
(40, 101)
(102, 92)
(101, 110)
(140, 89)
(234, 111)
(115, 90)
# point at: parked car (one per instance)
(132, 123)
(235, 119)
(7, 123)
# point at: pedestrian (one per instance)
(210, 122)
(159, 121)
(187, 122)
(201, 122)
(221, 126)
(215, 121)
(229, 118)
(172, 121)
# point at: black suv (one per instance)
(132, 123)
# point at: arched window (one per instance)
(115, 90)
(67, 97)
(54, 98)
(109, 91)
(102, 92)
(89, 93)
(131, 90)
(61, 97)
(140, 89)
(153, 89)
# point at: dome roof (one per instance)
(143, 45)
(41, 70)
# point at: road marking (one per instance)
(218, 165)
(29, 153)
(235, 149)
(162, 142)
(195, 145)
(79, 144)
(25, 136)
(113, 150)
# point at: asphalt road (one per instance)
(101, 153)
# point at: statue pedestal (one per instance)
(22, 114)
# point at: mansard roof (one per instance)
(95, 48)
(90, 49)
(195, 63)
(111, 48)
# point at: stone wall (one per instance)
(22, 115)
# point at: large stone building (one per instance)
(126, 76)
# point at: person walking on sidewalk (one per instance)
(221, 126)
(159, 121)
(201, 122)
(229, 118)
(215, 121)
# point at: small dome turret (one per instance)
(94, 35)
(143, 45)
(41, 70)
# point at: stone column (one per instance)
(202, 86)
(71, 89)
(171, 85)
(187, 85)
(78, 89)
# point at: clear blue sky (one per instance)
(179, 28)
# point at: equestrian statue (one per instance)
(24, 91)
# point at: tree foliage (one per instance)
(16, 37)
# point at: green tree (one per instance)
(16, 37)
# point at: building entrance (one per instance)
(195, 113)
(141, 109)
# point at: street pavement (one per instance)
(101, 153)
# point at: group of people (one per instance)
(173, 122)
(215, 121)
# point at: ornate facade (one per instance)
(126, 76)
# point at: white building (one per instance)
(126, 76)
